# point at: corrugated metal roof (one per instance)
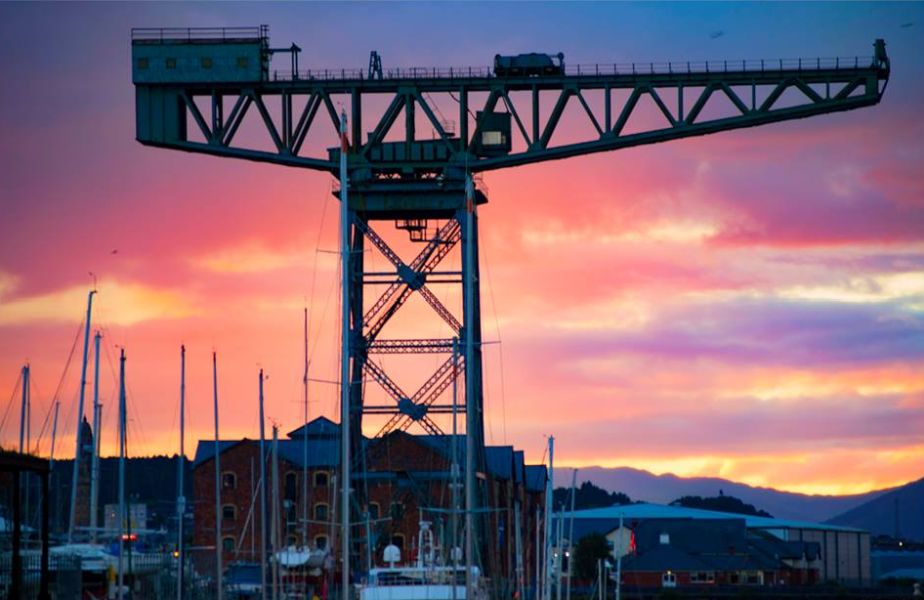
(321, 453)
(324, 451)
(660, 511)
(500, 461)
(321, 427)
(664, 558)
(536, 476)
(205, 449)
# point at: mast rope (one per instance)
(9, 404)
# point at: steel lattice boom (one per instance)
(682, 93)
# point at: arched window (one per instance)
(320, 511)
(398, 540)
(227, 544)
(291, 486)
(374, 510)
(321, 479)
(228, 512)
(320, 542)
(228, 480)
(396, 510)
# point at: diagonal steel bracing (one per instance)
(409, 278)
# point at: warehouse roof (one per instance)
(324, 451)
(660, 511)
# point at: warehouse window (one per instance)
(291, 486)
(374, 510)
(398, 540)
(228, 512)
(320, 512)
(228, 481)
(320, 479)
(320, 542)
(227, 544)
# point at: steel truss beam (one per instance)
(814, 86)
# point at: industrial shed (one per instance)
(844, 551)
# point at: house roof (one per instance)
(776, 548)
(319, 428)
(711, 545)
(699, 536)
(663, 558)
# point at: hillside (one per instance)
(662, 489)
(878, 515)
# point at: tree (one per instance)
(587, 496)
(590, 548)
(720, 503)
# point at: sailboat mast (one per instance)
(24, 410)
(344, 364)
(83, 388)
(180, 497)
(274, 510)
(262, 495)
(305, 516)
(454, 468)
(218, 570)
(94, 465)
(24, 418)
(122, 511)
(547, 554)
(471, 402)
(571, 535)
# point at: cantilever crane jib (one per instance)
(173, 67)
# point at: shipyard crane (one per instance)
(195, 87)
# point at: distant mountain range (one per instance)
(898, 512)
(662, 489)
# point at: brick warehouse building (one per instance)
(404, 476)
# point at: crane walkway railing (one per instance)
(160, 35)
(598, 69)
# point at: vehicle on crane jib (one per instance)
(534, 64)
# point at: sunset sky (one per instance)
(748, 305)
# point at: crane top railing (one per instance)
(598, 69)
(192, 35)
